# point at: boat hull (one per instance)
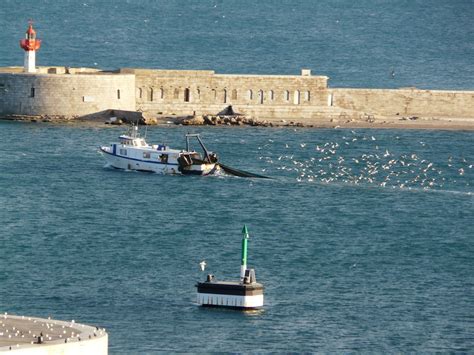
(128, 163)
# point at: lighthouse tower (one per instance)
(30, 44)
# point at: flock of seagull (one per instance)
(353, 162)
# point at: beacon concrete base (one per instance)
(230, 294)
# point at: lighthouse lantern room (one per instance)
(30, 44)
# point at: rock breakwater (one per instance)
(234, 120)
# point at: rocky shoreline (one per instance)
(205, 120)
(234, 120)
(113, 117)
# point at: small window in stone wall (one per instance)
(186, 95)
(234, 94)
(271, 95)
(286, 95)
(198, 93)
(118, 94)
(140, 93)
(307, 95)
(224, 93)
(150, 94)
(296, 97)
(250, 95)
(260, 96)
(214, 94)
(330, 100)
(162, 93)
(32, 92)
(176, 93)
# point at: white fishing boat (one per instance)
(132, 152)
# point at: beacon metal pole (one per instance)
(243, 265)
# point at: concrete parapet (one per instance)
(166, 73)
(37, 336)
(54, 70)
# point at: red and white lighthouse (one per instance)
(30, 44)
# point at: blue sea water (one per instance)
(349, 264)
(428, 44)
(363, 239)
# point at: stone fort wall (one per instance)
(272, 96)
(76, 92)
(406, 102)
(156, 87)
(53, 92)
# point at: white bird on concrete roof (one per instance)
(203, 264)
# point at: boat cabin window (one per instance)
(164, 158)
(123, 151)
(146, 155)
